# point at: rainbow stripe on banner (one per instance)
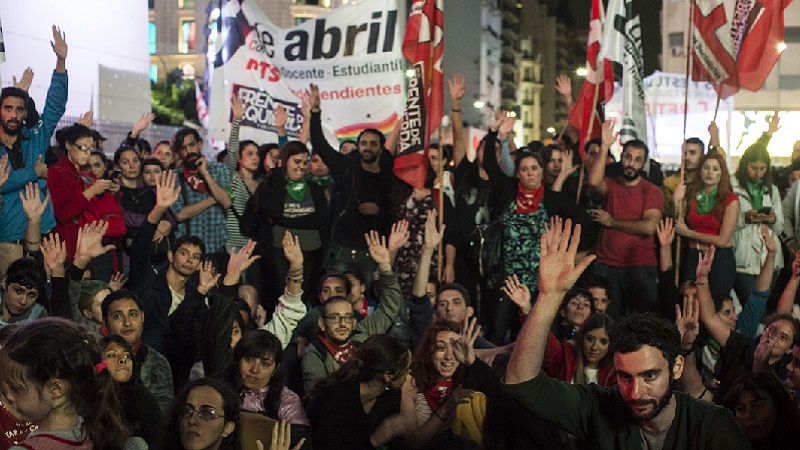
(352, 131)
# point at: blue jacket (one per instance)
(34, 143)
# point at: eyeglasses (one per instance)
(85, 148)
(340, 317)
(204, 413)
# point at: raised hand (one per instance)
(143, 122)
(313, 97)
(399, 235)
(704, 263)
(59, 43)
(769, 241)
(609, 136)
(505, 126)
(166, 192)
(291, 250)
(25, 81)
(464, 346)
(90, 243)
(568, 164)
(518, 293)
(208, 277)
(688, 321)
(773, 123)
(665, 231)
(433, 235)
(55, 254)
(564, 85)
(378, 250)
(87, 119)
(117, 281)
(305, 109)
(457, 87)
(238, 108)
(281, 438)
(557, 269)
(240, 261)
(32, 203)
(281, 117)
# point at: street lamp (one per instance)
(781, 47)
(581, 71)
(479, 104)
(551, 130)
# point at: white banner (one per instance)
(664, 100)
(353, 53)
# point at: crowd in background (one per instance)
(290, 292)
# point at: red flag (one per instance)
(712, 48)
(760, 47)
(423, 46)
(583, 111)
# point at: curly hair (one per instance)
(633, 332)
(425, 374)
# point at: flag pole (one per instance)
(440, 171)
(716, 108)
(589, 129)
(679, 208)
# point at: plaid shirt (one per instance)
(209, 225)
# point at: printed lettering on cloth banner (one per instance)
(411, 164)
(712, 48)
(622, 43)
(353, 54)
(2, 45)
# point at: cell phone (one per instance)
(765, 210)
(112, 174)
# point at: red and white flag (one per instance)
(423, 46)
(761, 40)
(712, 48)
(584, 111)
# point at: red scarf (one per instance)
(528, 201)
(14, 430)
(195, 181)
(363, 309)
(341, 353)
(437, 394)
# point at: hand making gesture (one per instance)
(464, 346)
(518, 293)
(378, 250)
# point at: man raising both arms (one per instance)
(642, 412)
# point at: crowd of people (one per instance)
(288, 295)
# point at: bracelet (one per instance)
(295, 272)
(295, 280)
(436, 412)
(455, 110)
(700, 397)
(33, 243)
(701, 283)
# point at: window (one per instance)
(300, 19)
(152, 35)
(789, 82)
(676, 39)
(213, 32)
(791, 35)
(186, 4)
(154, 73)
(151, 4)
(186, 40)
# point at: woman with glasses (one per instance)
(79, 198)
(205, 415)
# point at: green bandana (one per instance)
(296, 189)
(325, 181)
(756, 191)
(706, 202)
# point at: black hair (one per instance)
(374, 131)
(535, 146)
(151, 162)
(180, 135)
(593, 280)
(636, 143)
(588, 145)
(12, 91)
(458, 288)
(347, 285)
(230, 406)
(28, 273)
(122, 294)
(77, 131)
(122, 149)
(524, 155)
(100, 155)
(348, 141)
(379, 354)
(189, 240)
(633, 332)
(719, 300)
(785, 431)
(755, 153)
(144, 146)
(593, 322)
(774, 317)
(577, 291)
(51, 348)
(290, 149)
(697, 141)
(257, 344)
